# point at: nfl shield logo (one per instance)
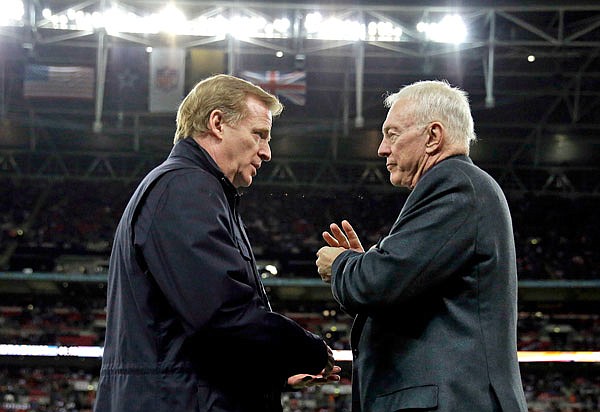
(167, 78)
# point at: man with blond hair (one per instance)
(189, 325)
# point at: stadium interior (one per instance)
(71, 156)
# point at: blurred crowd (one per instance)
(556, 237)
(68, 227)
(46, 389)
(72, 389)
(61, 320)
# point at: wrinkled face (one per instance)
(247, 144)
(403, 145)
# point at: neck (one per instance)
(430, 160)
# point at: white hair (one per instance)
(436, 100)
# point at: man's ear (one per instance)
(215, 123)
(435, 137)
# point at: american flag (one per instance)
(291, 86)
(70, 82)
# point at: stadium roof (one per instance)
(532, 70)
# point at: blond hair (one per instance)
(219, 92)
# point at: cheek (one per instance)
(397, 152)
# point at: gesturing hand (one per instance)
(329, 374)
(304, 380)
(325, 257)
(348, 239)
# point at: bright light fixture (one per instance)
(334, 28)
(169, 20)
(173, 21)
(12, 12)
(451, 29)
(272, 269)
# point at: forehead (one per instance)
(258, 112)
(399, 115)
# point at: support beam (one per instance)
(489, 69)
(101, 57)
(359, 120)
(231, 55)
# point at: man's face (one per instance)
(403, 145)
(247, 144)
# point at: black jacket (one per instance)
(436, 301)
(189, 326)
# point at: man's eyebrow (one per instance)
(263, 131)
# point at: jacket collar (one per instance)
(459, 157)
(191, 151)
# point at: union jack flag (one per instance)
(291, 86)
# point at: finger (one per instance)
(317, 380)
(353, 240)
(331, 241)
(335, 371)
(339, 235)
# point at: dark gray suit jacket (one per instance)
(436, 301)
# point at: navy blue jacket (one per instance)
(436, 301)
(189, 326)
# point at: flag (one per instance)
(69, 82)
(203, 63)
(127, 79)
(167, 77)
(291, 86)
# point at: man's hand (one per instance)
(338, 240)
(348, 239)
(305, 380)
(329, 374)
(325, 257)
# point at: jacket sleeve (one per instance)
(432, 238)
(197, 265)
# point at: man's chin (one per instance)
(246, 182)
(397, 182)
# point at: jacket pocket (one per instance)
(417, 397)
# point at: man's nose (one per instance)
(384, 149)
(265, 151)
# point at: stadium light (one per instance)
(243, 27)
(333, 28)
(173, 21)
(116, 20)
(282, 25)
(12, 13)
(383, 31)
(169, 20)
(451, 29)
